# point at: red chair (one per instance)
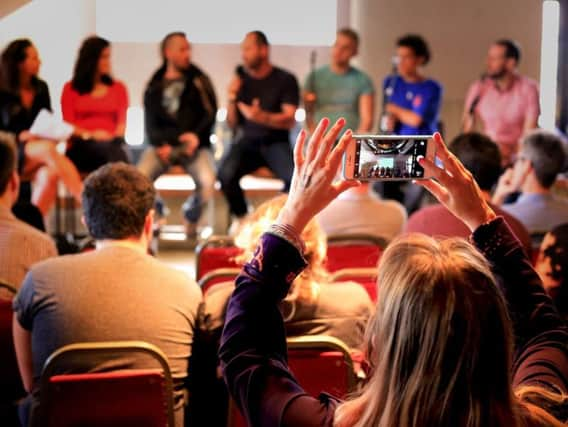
(132, 397)
(217, 276)
(366, 277)
(353, 251)
(320, 364)
(11, 387)
(216, 252)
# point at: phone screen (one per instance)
(377, 158)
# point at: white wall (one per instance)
(458, 31)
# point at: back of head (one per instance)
(12, 56)
(417, 44)
(86, 65)
(440, 344)
(546, 154)
(8, 160)
(512, 49)
(116, 201)
(480, 155)
(312, 235)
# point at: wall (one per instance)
(458, 31)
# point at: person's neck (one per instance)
(413, 77)
(504, 83)
(486, 195)
(172, 72)
(339, 68)
(262, 71)
(6, 202)
(138, 244)
(532, 186)
(26, 82)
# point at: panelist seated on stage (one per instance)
(263, 100)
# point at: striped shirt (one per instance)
(21, 246)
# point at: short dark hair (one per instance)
(83, 80)
(417, 44)
(116, 200)
(167, 39)
(8, 159)
(547, 156)
(351, 34)
(512, 49)
(261, 38)
(480, 155)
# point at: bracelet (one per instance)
(290, 234)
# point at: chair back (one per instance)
(132, 397)
(11, 387)
(217, 276)
(353, 251)
(366, 277)
(216, 252)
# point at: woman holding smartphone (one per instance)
(95, 104)
(440, 346)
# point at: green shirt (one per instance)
(337, 95)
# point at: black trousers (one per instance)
(247, 155)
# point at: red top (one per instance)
(106, 112)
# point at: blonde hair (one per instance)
(440, 343)
(306, 285)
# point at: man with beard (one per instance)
(505, 102)
(262, 103)
(180, 109)
(340, 89)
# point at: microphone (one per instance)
(477, 98)
(240, 71)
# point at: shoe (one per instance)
(190, 230)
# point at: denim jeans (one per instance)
(245, 156)
(199, 166)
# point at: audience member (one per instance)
(262, 104)
(441, 344)
(539, 161)
(482, 158)
(340, 89)
(552, 266)
(95, 104)
(21, 246)
(312, 307)
(503, 101)
(359, 210)
(22, 96)
(179, 110)
(116, 292)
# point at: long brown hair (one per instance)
(440, 343)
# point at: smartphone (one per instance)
(387, 157)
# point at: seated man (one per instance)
(180, 107)
(359, 211)
(482, 158)
(541, 158)
(262, 102)
(21, 245)
(117, 292)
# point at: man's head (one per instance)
(540, 159)
(481, 156)
(502, 58)
(255, 50)
(117, 203)
(345, 47)
(412, 52)
(9, 181)
(176, 50)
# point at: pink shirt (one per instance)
(503, 113)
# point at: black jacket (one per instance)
(14, 117)
(197, 110)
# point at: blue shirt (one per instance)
(424, 98)
(337, 95)
(539, 212)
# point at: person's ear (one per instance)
(149, 224)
